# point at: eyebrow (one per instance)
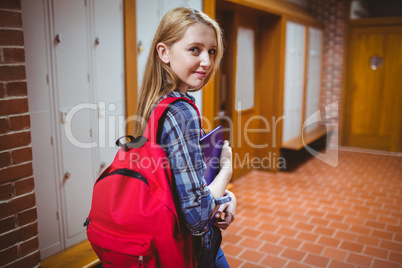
(200, 44)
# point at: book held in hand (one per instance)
(211, 145)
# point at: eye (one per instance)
(212, 51)
(195, 50)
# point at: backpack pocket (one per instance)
(119, 251)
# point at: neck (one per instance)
(183, 88)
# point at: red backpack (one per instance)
(133, 220)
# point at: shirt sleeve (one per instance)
(180, 139)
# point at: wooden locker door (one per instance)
(372, 117)
(71, 57)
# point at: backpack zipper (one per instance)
(140, 261)
(126, 172)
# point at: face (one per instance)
(192, 57)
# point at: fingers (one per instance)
(221, 210)
(225, 222)
(221, 225)
(226, 143)
(226, 155)
(229, 218)
(225, 216)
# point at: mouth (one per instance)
(202, 74)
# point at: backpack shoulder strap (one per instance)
(154, 128)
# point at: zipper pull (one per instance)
(140, 261)
(86, 223)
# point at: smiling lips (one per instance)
(201, 73)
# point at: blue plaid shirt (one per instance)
(180, 139)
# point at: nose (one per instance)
(206, 61)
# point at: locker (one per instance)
(75, 66)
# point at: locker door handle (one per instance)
(58, 38)
(67, 175)
(140, 47)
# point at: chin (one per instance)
(197, 85)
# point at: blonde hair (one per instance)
(159, 79)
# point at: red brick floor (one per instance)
(319, 215)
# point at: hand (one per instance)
(226, 212)
(226, 156)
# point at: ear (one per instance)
(163, 52)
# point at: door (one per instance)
(294, 81)
(313, 72)
(76, 96)
(236, 82)
(71, 46)
(107, 42)
(372, 98)
(147, 20)
(41, 110)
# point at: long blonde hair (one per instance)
(158, 75)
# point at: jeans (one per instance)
(210, 250)
(221, 261)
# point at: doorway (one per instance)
(372, 111)
(247, 83)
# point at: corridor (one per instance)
(320, 216)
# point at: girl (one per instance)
(185, 53)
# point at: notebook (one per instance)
(211, 145)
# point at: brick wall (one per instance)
(332, 13)
(18, 218)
